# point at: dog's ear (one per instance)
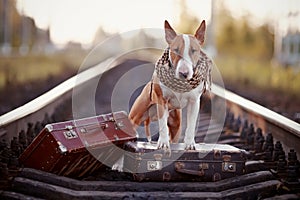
(170, 34)
(200, 33)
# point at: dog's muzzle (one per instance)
(184, 70)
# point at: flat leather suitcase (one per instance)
(209, 162)
(76, 148)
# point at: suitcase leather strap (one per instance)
(180, 168)
(191, 172)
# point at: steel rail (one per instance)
(250, 106)
(17, 119)
(282, 128)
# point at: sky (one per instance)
(78, 20)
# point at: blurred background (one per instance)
(255, 44)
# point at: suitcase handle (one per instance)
(180, 167)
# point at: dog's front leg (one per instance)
(163, 114)
(192, 115)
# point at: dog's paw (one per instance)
(118, 166)
(149, 139)
(189, 144)
(190, 147)
(163, 143)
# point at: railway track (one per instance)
(272, 167)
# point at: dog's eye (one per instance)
(176, 50)
(193, 50)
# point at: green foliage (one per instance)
(236, 37)
(245, 53)
(188, 22)
(258, 73)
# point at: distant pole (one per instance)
(212, 23)
(24, 48)
(6, 46)
(211, 48)
(278, 50)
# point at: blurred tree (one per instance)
(265, 41)
(32, 30)
(236, 37)
(227, 36)
(8, 8)
(226, 31)
(248, 37)
(187, 22)
(16, 25)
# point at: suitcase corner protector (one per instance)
(49, 127)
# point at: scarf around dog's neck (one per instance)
(166, 73)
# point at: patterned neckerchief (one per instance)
(166, 73)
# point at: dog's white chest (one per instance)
(178, 101)
(181, 100)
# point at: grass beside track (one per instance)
(18, 69)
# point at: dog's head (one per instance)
(184, 50)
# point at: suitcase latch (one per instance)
(103, 126)
(62, 149)
(154, 165)
(228, 167)
(71, 134)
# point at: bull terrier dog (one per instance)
(182, 74)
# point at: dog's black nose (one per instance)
(183, 75)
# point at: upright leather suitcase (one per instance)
(76, 148)
(209, 162)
